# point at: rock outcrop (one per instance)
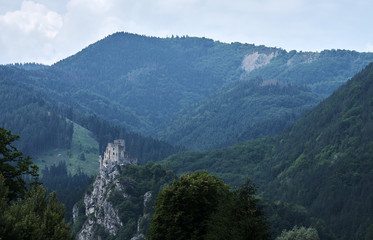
(98, 209)
(256, 60)
(119, 203)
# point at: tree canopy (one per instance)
(201, 206)
(14, 166)
(37, 216)
(26, 213)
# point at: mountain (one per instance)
(62, 141)
(142, 83)
(52, 132)
(246, 109)
(323, 162)
(182, 89)
(25, 111)
(323, 72)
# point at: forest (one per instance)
(322, 162)
(299, 125)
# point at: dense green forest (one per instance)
(201, 94)
(26, 210)
(69, 188)
(322, 162)
(247, 109)
(143, 83)
(47, 130)
(46, 124)
(144, 148)
(26, 112)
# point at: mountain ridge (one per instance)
(49, 127)
(143, 83)
(323, 161)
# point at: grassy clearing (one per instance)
(83, 154)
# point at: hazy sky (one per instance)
(46, 31)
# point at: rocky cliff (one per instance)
(119, 202)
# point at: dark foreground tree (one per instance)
(369, 233)
(201, 206)
(26, 213)
(14, 167)
(37, 216)
(239, 217)
(183, 209)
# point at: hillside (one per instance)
(52, 132)
(323, 72)
(26, 112)
(244, 110)
(142, 83)
(323, 161)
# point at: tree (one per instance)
(299, 233)
(369, 233)
(37, 216)
(82, 157)
(201, 206)
(183, 209)
(13, 166)
(241, 217)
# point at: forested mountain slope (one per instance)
(26, 112)
(323, 162)
(247, 109)
(51, 131)
(323, 72)
(142, 82)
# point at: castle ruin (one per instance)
(116, 153)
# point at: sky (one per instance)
(46, 31)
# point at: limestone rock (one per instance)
(98, 209)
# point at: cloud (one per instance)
(33, 17)
(28, 33)
(50, 30)
(369, 47)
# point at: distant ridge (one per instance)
(146, 84)
(143, 82)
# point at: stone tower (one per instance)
(116, 153)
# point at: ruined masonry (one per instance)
(116, 154)
(98, 209)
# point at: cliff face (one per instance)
(119, 203)
(98, 209)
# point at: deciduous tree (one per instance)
(201, 206)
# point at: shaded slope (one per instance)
(26, 112)
(47, 127)
(244, 110)
(323, 162)
(152, 77)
